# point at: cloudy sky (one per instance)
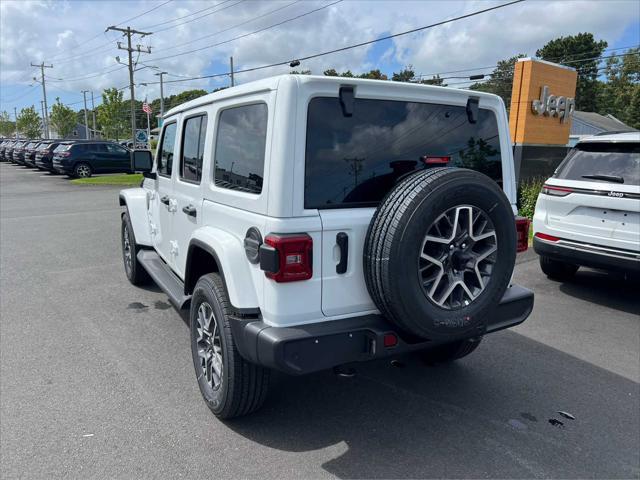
(194, 38)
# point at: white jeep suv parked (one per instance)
(588, 213)
(311, 222)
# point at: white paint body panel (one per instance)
(224, 215)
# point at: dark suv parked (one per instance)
(30, 153)
(44, 154)
(82, 159)
(17, 153)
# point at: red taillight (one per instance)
(436, 160)
(295, 254)
(544, 236)
(522, 230)
(556, 191)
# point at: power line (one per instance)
(251, 33)
(234, 26)
(201, 16)
(144, 13)
(349, 47)
(184, 16)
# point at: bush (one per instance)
(528, 194)
(153, 144)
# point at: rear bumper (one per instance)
(588, 255)
(309, 348)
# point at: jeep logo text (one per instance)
(550, 105)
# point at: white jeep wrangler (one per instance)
(313, 222)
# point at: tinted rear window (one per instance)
(62, 147)
(613, 159)
(355, 161)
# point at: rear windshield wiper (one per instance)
(606, 178)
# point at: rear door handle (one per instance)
(165, 200)
(342, 239)
(190, 210)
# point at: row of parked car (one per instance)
(75, 158)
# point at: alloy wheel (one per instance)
(209, 346)
(457, 257)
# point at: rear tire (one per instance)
(557, 270)
(230, 385)
(450, 351)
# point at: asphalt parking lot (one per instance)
(96, 378)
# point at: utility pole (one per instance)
(43, 125)
(232, 79)
(86, 123)
(93, 114)
(161, 94)
(44, 95)
(128, 32)
(15, 114)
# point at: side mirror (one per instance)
(141, 161)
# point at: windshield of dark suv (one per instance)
(606, 162)
(356, 160)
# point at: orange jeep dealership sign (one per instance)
(542, 100)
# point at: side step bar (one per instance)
(164, 277)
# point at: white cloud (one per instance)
(71, 35)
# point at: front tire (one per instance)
(135, 272)
(82, 170)
(557, 270)
(230, 385)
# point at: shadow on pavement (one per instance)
(485, 416)
(605, 289)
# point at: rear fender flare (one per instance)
(233, 266)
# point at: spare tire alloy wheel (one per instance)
(457, 257)
(209, 346)
(440, 252)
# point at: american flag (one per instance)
(146, 108)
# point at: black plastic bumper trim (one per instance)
(318, 346)
(584, 258)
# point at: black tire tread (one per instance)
(557, 270)
(451, 351)
(248, 383)
(140, 275)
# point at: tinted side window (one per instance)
(357, 160)
(167, 148)
(240, 148)
(111, 148)
(79, 148)
(193, 136)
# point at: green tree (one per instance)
(500, 80)
(113, 114)
(436, 80)
(619, 95)
(406, 75)
(300, 72)
(7, 127)
(583, 53)
(374, 75)
(62, 118)
(29, 122)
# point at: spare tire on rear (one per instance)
(440, 252)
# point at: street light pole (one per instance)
(93, 114)
(86, 123)
(160, 74)
(128, 32)
(44, 95)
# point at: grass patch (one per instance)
(122, 179)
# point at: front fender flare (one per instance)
(228, 252)
(135, 199)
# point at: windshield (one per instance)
(605, 162)
(356, 160)
(62, 147)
